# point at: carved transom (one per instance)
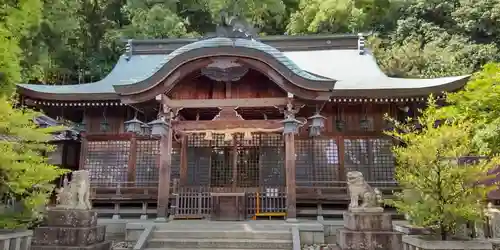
(224, 70)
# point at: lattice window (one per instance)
(198, 160)
(248, 166)
(272, 160)
(317, 160)
(372, 157)
(325, 159)
(146, 168)
(247, 161)
(303, 162)
(383, 160)
(176, 161)
(107, 161)
(221, 171)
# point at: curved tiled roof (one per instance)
(355, 74)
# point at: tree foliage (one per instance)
(439, 190)
(67, 41)
(479, 103)
(25, 175)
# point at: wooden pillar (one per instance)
(184, 160)
(234, 163)
(132, 160)
(341, 152)
(291, 199)
(83, 151)
(165, 170)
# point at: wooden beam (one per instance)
(224, 124)
(215, 103)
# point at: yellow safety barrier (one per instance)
(265, 214)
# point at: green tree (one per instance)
(428, 165)
(342, 16)
(479, 104)
(25, 176)
(17, 18)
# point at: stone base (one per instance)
(67, 236)
(106, 245)
(375, 240)
(71, 218)
(366, 209)
(416, 242)
(367, 221)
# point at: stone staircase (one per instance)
(223, 236)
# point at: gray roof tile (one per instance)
(351, 70)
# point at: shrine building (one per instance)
(234, 127)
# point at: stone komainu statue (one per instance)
(76, 194)
(359, 189)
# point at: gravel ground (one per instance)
(320, 247)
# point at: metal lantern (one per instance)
(291, 125)
(104, 126)
(364, 124)
(159, 127)
(145, 129)
(133, 126)
(317, 124)
(81, 127)
(340, 125)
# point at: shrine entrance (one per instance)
(234, 177)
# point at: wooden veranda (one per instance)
(124, 170)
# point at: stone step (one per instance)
(168, 248)
(219, 243)
(219, 234)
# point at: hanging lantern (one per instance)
(291, 125)
(159, 127)
(340, 125)
(145, 129)
(248, 136)
(364, 124)
(134, 125)
(317, 124)
(228, 137)
(208, 136)
(82, 126)
(104, 125)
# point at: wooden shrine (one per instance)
(233, 126)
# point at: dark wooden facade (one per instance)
(226, 147)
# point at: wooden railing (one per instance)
(336, 190)
(196, 202)
(124, 191)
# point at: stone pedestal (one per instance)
(368, 231)
(70, 229)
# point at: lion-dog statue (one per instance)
(359, 189)
(75, 195)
